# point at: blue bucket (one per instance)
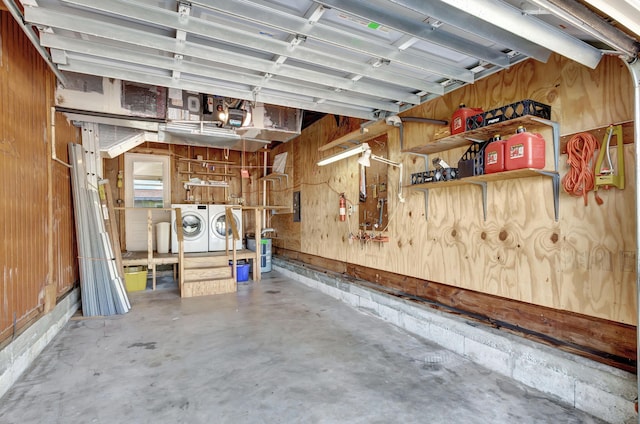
(242, 272)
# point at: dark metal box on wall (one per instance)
(510, 111)
(472, 161)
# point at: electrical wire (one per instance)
(580, 179)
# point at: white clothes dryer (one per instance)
(194, 227)
(217, 224)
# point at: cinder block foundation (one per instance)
(600, 390)
(18, 355)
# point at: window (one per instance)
(148, 185)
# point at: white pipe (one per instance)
(31, 35)
(264, 191)
(634, 68)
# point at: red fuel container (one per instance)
(459, 118)
(524, 150)
(494, 156)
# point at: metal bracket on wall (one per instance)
(426, 160)
(555, 181)
(425, 191)
(555, 177)
(483, 185)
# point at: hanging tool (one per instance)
(380, 206)
(605, 174)
(363, 184)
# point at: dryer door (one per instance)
(194, 226)
(218, 224)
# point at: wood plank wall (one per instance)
(583, 264)
(240, 190)
(33, 189)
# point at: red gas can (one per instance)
(494, 155)
(459, 118)
(524, 150)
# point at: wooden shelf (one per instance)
(221, 184)
(356, 137)
(484, 134)
(210, 174)
(481, 134)
(498, 176)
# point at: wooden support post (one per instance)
(257, 276)
(112, 228)
(228, 214)
(180, 236)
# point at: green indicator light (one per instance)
(373, 25)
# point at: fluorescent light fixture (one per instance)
(345, 154)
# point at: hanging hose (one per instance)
(580, 179)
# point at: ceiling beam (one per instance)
(585, 19)
(109, 31)
(141, 76)
(76, 48)
(511, 19)
(251, 40)
(375, 10)
(351, 40)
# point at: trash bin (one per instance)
(242, 270)
(265, 252)
(163, 237)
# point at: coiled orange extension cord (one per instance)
(580, 179)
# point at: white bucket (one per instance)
(163, 237)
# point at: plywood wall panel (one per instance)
(583, 263)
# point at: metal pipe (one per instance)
(31, 35)
(264, 191)
(424, 120)
(634, 68)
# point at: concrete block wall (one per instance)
(600, 390)
(18, 355)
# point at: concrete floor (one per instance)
(275, 352)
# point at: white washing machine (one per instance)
(217, 224)
(195, 228)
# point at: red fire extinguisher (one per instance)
(343, 207)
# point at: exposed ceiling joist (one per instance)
(77, 49)
(512, 19)
(355, 42)
(105, 70)
(378, 10)
(243, 38)
(366, 59)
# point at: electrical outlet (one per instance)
(350, 210)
